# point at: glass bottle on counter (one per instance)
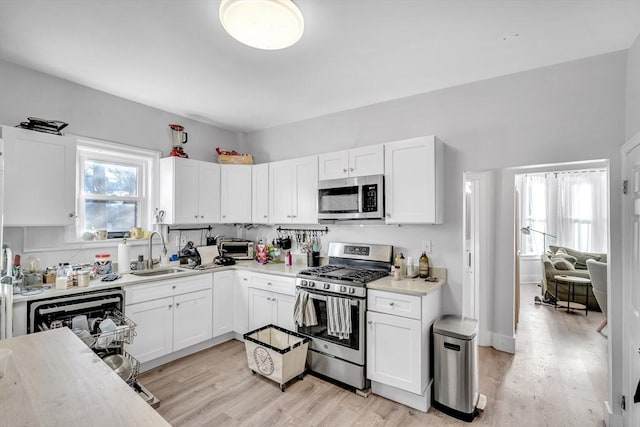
(424, 265)
(403, 265)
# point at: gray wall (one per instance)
(568, 112)
(27, 93)
(633, 89)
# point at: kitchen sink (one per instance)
(157, 272)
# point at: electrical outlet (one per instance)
(426, 246)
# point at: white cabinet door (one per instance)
(394, 355)
(241, 303)
(305, 198)
(192, 319)
(154, 330)
(281, 187)
(223, 302)
(260, 194)
(261, 308)
(235, 193)
(284, 311)
(40, 178)
(413, 181)
(185, 191)
(333, 165)
(208, 192)
(365, 161)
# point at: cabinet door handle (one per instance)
(269, 284)
(224, 216)
(370, 322)
(391, 303)
(245, 279)
(264, 216)
(293, 216)
(350, 169)
(344, 170)
(201, 216)
(177, 304)
(170, 305)
(173, 287)
(71, 214)
(388, 215)
(196, 217)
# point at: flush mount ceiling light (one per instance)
(263, 24)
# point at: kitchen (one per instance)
(472, 134)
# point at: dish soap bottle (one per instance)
(424, 265)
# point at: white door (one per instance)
(223, 302)
(235, 193)
(367, 160)
(261, 308)
(284, 311)
(281, 187)
(154, 330)
(305, 197)
(260, 193)
(40, 178)
(333, 165)
(470, 236)
(631, 284)
(394, 355)
(185, 191)
(208, 195)
(192, 319)
(241, 303)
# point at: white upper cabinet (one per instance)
(40, 178)
(235, 193)
(293, 191)
(414, 181)
(360, 161)
(260, 193)
(189, 191)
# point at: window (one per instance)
(114, 187)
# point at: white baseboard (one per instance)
(421, 402)
(503, 343)
(611, 419)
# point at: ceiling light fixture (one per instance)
(263, 24)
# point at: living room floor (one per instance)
(557, 378)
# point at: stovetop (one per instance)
(343, 274)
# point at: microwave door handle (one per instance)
(360, 197)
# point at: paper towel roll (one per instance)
(124, 258)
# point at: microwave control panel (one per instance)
(370, 198)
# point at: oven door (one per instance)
(351, 349)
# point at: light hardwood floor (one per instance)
(557, 378)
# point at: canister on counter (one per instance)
(83, 279)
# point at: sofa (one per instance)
(560, 260)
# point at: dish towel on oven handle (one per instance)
(304, 313)
(339, 317)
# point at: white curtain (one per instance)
(534, 213)
(582, 210)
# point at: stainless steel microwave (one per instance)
(351, 198)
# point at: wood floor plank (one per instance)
(557, 378)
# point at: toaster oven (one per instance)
(238, 249)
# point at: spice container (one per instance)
(103, 264)
(83, 279)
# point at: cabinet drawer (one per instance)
(147, 292)
(394, 303)
(193, 283)
(274, 283)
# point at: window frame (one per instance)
(146, 161)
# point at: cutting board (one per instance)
(207, 253)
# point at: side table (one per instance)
(571, 282)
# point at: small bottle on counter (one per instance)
(63, 279)
(140, 264)
(288, 259)
(424, 266)
(403, 265)
(396, 273)
(410, 272)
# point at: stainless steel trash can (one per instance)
(456, 366)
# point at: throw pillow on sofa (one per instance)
(566, 256)
(560, 263)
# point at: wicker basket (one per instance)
(276, 353)
(240, 159)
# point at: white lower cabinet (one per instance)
(170, 315)
(223, 302)
(398, 345)
(241, 303)
(267, 307)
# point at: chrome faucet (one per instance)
(164, 248)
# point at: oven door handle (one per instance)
(324, 298)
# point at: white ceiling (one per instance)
(175, 56)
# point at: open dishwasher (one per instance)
(97, 319)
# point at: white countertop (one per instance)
(71, 386)
(407, 286)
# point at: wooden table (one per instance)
(571, 282)
(54, 379)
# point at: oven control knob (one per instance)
(343, 289)
(327, 286)
(352, 290)
(303, 282)
(312, 284)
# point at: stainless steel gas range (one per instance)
(342, 284)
